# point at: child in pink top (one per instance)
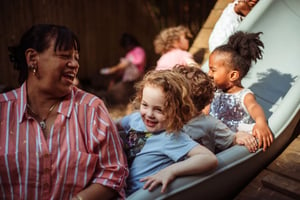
(131, 68)
(172, 44)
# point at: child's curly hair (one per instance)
(243, 48)
(178, 107)
(164, 41)
(202, 87)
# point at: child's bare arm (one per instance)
(120, 66)
(261, 129)
(199, 160)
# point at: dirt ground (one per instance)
(119, 111)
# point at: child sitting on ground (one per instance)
(233, 104)
(173, 44)
(206, 129)
(157, 151)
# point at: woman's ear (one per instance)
(234, 75)
(31, 56)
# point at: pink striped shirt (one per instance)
(83, 147)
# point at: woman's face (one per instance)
(57, 70)
(151, 108)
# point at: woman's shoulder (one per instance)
(13, 94)
(85, 98)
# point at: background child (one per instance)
(129, 70)
(172, 44)
(233, 104)
(206, 129)
(229, 21)
(165, 105)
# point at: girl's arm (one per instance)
(199, 160)
(261, 129)
(120, 66)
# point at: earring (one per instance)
(33, 68)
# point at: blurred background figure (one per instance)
(172, 44)
(129, 69)
(229, 21)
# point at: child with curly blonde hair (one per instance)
(173, 44)
(157, 151)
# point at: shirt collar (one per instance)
(65, 106)
(22, 101)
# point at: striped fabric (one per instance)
(83, 147)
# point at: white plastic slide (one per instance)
(276, 84)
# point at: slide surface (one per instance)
(276, 84)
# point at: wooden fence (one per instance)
(98, 24)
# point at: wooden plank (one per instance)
(282, 184)
(98, 25)
(288, 163)
(256, 190)
(212, 19)
(280, 180)
(221, 4)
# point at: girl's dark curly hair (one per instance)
(243, 48)
(39, 37)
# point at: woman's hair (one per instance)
(202, 87)
(178, 107)
(243, 48)
(164, 41)
(39, 38)
(128, 41)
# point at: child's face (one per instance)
(219, 71)
(183, 42)
(151, 108)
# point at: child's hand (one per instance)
(247, 139)
(263, 133)
(163, 177)
(105, 71)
